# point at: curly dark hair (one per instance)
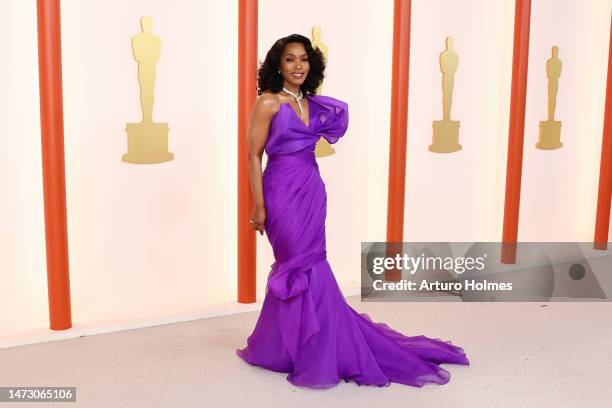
(269, 78)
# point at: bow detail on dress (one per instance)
(329, 118)
(289, 282)
(332, 117)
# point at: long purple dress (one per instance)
(305, 327)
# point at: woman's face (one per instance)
(294, 64)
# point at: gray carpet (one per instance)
(522, 355)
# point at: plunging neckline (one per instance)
(295, 114)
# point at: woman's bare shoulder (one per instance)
(267, 102)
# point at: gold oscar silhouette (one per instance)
(147, 140)
(322, 148)
(446, 131)
(550, 129)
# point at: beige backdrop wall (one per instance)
(460, 196)
(23, 291)
(148, 241)
(156, 242)
(559, 197)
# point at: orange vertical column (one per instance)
(602, 219)
(247, 93)
(399, 122)
(514, 165)
(54, 182)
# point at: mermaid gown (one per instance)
(305, 327)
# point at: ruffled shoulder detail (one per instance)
(332, 118)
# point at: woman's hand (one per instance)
(258, 218)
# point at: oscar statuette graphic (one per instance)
(322, 148)
(446, 131)
(550, 129)
(147, 140)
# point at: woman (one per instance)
(306, 328)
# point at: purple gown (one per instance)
(305, 327)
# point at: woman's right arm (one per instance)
(263, 110)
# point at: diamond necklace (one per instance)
(298, 98)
